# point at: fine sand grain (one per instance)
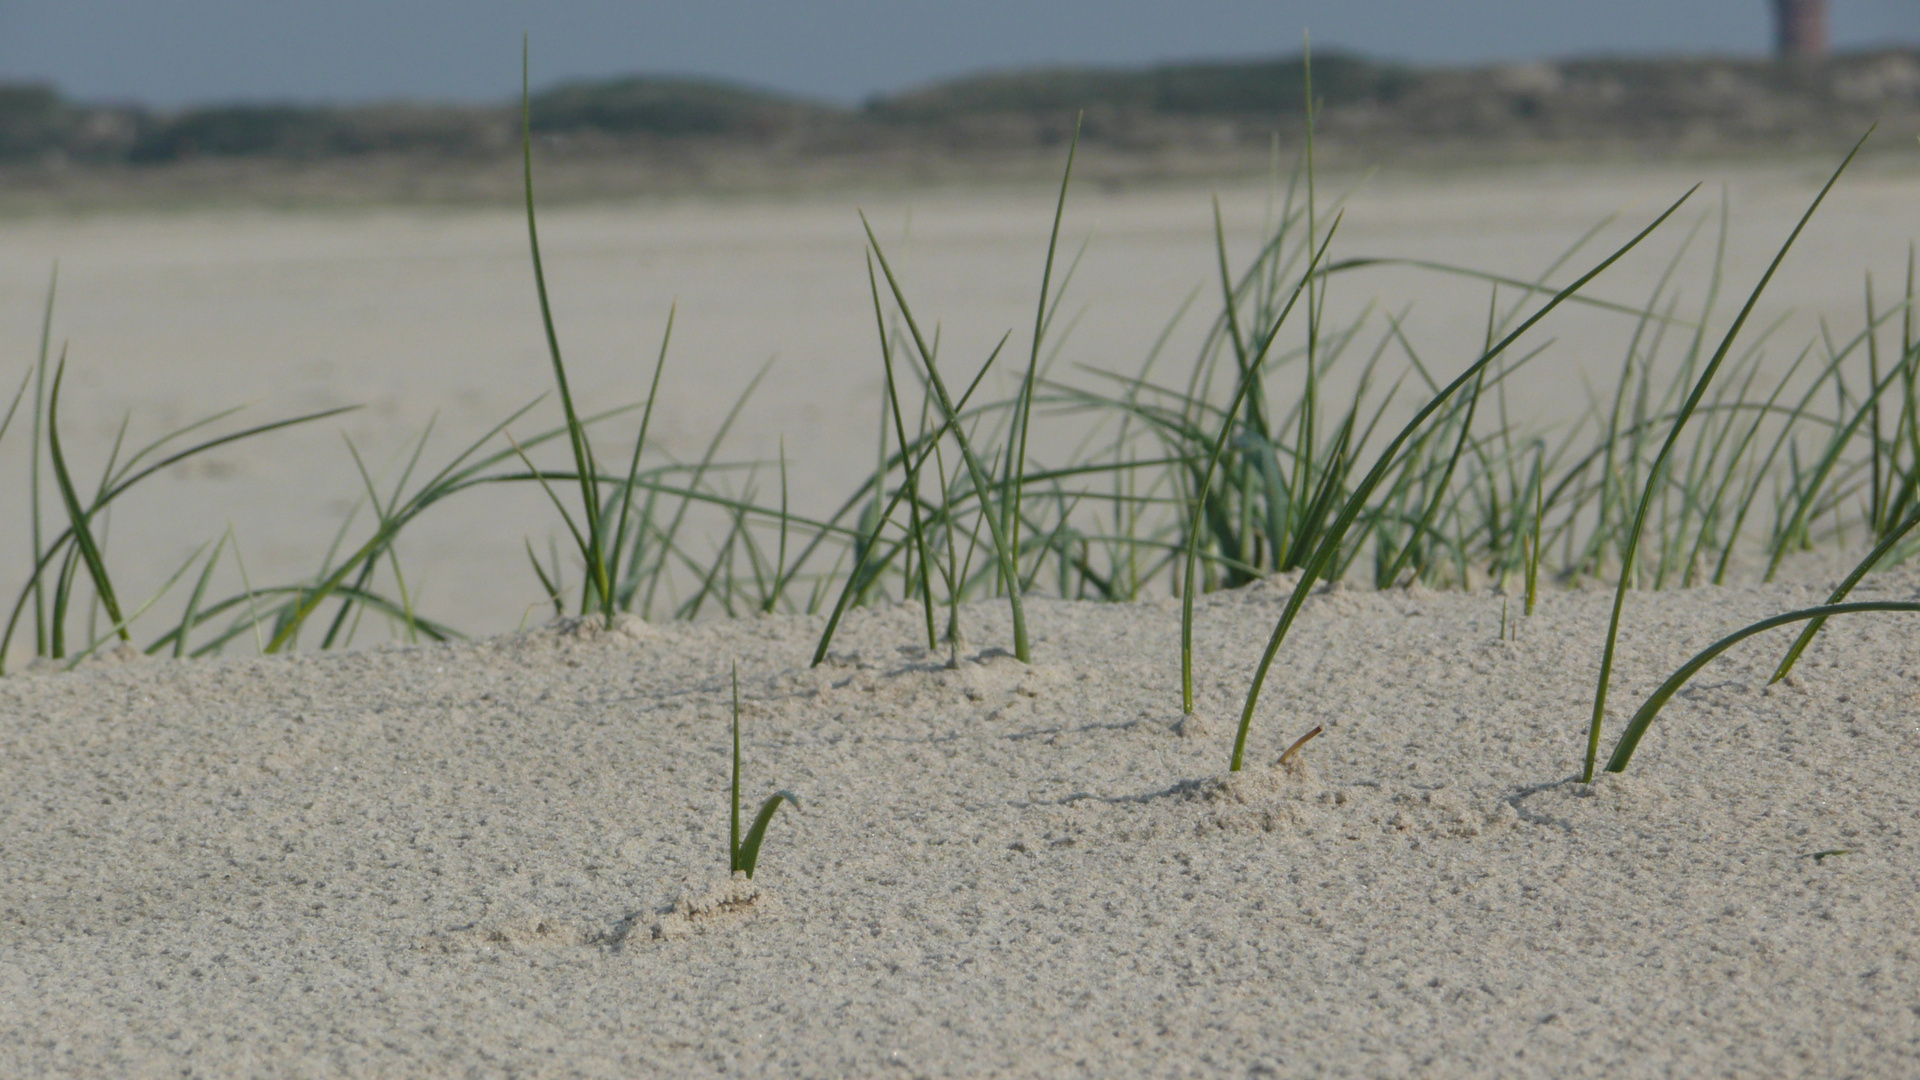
(506, 858)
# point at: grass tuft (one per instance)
(1655, 472)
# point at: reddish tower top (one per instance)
(1800, 29)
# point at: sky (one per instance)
(181, 52)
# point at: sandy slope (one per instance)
(452, 861)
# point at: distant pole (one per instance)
(1800, 29)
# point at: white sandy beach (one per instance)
(452, 861)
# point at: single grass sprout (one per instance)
(743, 855)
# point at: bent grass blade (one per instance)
(1356, 502)
(1841, 592)
(1643, 719)
(744, 855)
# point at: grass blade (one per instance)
(1637, 727)
(1249, 382)
(1023, 407)
(747, 855)
(633, 467)
(1860, 570)
(187, 621)
(77, 517)
(743, 856)
(591, 549)
(40, 552)
(982, 483)
(120, 628)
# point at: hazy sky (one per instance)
(171, 52)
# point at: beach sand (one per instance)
(508, 858)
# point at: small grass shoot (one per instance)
(744, 854)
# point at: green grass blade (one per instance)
(187, 620)
(706, 461)
(857, 578)
(1840, 592)
(633, 467)
(915, 526)
(453, 477)
(7, 420)
(252, 598)
(1440, 488)
(382, 514)
(1533, 288)
(552, 495)
(1249, 381)
(747, 855)
(780, 559)
(40, 551)
(1806, 506)
(733, 841)
(121, 628)
(77, 517)
(1637, 727)
(1023, 409)
(592, 551)
(547, 583)
(249, 620)
(982, 482)
(744, 855)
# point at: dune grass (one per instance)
(1643, 719)
(1660, 462)
(1697, 463)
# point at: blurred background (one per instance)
(416, 97)
(196, 52)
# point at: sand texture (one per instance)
(507, 858)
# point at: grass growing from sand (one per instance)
(1245, 465)
(1660, 462)
(743, 854)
